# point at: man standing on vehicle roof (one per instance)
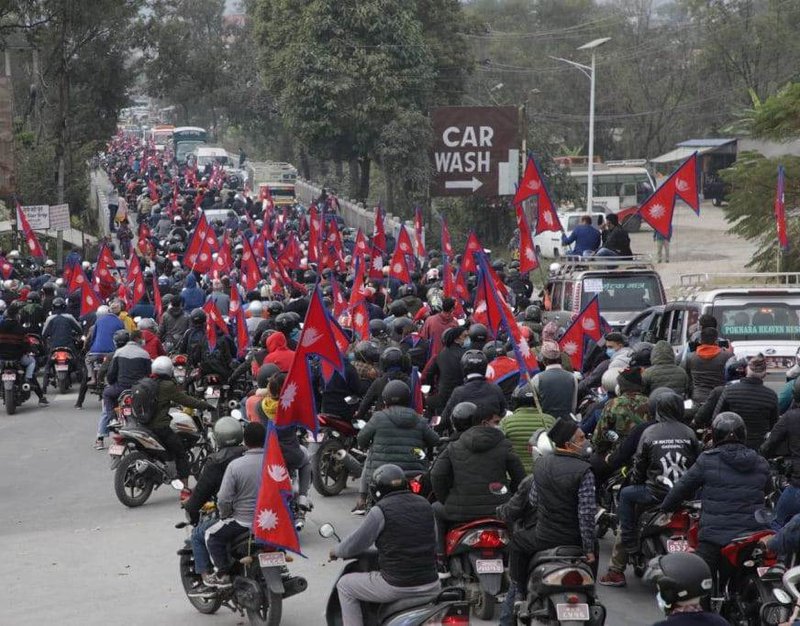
(616, 241)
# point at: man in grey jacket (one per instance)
(236, 503)
(556, 388)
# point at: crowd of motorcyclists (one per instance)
(667, 428)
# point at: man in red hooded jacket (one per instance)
(278, 352)
(152, 344)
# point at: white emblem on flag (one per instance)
(530, 254)
(657, 210)
(681, 185)
(533, 185)
(267, 520)
(397, 268)
(548, 218)
(588, 324)
(277, 473)
(288, 395)
(570, 347)
(310, 336)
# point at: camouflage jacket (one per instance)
(621, 415)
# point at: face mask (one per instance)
(295, 334)
(662, 604)
(585, 449)
(610, 352)
(467, 343)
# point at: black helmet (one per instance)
(284, 323)
(274, 307)
(386, 479)
(34, 297)
(735, 368)
(367, 352)
(396, 393)
(533, 314)
(294, 318)
(493, 349)
(680, 576)
(728, 427)
(478, 333)
(405, 290)
(398, 308)
(401, 325)
(49, 287)
(522, 396)
(391, 358)
(265, 372)
(474, 362)
(641, 354)
(121, 337)
(59, 305)
(309, 276)
(463, 415)
(377, 328)
(198, 317)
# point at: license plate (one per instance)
(127, 412)
(572, 612)
(116, 449)
(272, 559)
(62, 368)
(489, 566)
(212, 393)
(677, 545)
(11, 377)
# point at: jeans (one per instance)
(371, 587)
(629, 497)
(218, 536)
(91, 358)
(29, 363)
(170, 440)
(303, 474)
(202, 560)
(507, 608)
(605, 252)
(110, 396)
(788, 506)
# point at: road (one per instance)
(75, 555)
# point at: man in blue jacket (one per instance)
(585, 237)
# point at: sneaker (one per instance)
(186, 493)
(216, 580)
(359, 509)
(202, 591)
(79, 405)
(98, 444)
(43, 401)
(613, 579)
(304, 503)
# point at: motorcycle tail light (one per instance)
(454, 615)
(127, 400)
(415, 486)
(179, 359)
(678, 521)
(568, 577)
(117, 438)
(486, 539)
(572, 598)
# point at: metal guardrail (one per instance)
(574, 264)
(742, 279)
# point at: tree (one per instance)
(750, 209)
(778, 117)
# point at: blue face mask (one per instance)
(610, 352)
(295, 334)
(467, 343)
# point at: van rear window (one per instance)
(622, 293)
(759, 320)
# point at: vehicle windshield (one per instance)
(621, 292)
(759, 321)
(282, 194)
(202, 161)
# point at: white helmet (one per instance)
(14, 254)
(59, 282)
(102, 310)
(49, 263)
(147, 323)
(432, 275)
(2, 306)
(540, 444)
(256, 308)
(86, 265)
(609, 380)
(162, 366)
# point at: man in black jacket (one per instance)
(755, 403)
(488, 397)
(228, 436)
(444, 370)
(616, 241)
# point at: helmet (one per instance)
(522, 396)
(255, 308)
(49, 287)
(49, 263)
(398, 308)
(463, 415)
(198, 317)
(228, 432)
(147, 323)
(391, 358)
(34, 297)
(680, 577)
(396, 392)
(309, 276)
(533, 314)
(265, 372)
(405, 290)
(478, 333)
(474, 362)
(275, 308)
(102, 310)
(432, 275)
(121, 337)
(377, 328)
(14, 254)
(728, 427)
(367, 352)
(284, 323)
(641, 354)
(665, 404)
(386, 479)
(609, 380)
(400, 325)
(540, 444)
(735, 368)
(162, 366)
(59, 305)
(493, 349)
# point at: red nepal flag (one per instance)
(343, 342)
(398, 266)
(143, 244)
(157, 299)
(105, 266)
(193, 249)
(404, 242)
(213, 319)
(360, 247)
(290, 255)
(76, 279)
(314, 231)
(468, 263)
(236, 315)
(527, 251)
(339, 303)
(249, 266)
(89, 299)
(356, 293)
(685, 182)
(780, 209)
(317, 336)
(151, 187)
(223, 262)
(360, 319)
(587, 324)
(376, 264)
(136, 277)
(379, 234)
(6, 269)
(659, 208)
(532, 185)
(275, 277)
(203, 260)
(418, 233)
(272, 520)
(447, 246)
(34, 247)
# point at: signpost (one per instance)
(38, 216)
(475, 151)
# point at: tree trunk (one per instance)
(363, 183)
(390, 190)
(305, 164)
(352, 165)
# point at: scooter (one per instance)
(447, 607)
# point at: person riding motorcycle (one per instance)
(14, 347)
(32, 315)
(128, 366)
(502, 369)
(477, 336)
(394, 365)
(444, 371)
(152, 344)
(664, 373)
(60, 330)
(732, 481)
(666, 449)
(228, 434)
(527, 418)
(100, 345)
(401, 525)
(735, 370)
(174, 323)
(194, 343)
(411, 342)
(487, 396)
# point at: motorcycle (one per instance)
(333, 444)
(96, 379)
(62, 364)
(775, 613)
(16, 389)
(561, 590)
(141, 463)
(450, 606)
(661, 533)
(477, 558)
(607, 518)
(260, 580)
(179, 362)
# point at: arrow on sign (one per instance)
(473, 184)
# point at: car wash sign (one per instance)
(475, 151)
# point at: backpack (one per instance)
(144, 398)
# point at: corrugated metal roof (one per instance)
(680, 154)
(704, 143)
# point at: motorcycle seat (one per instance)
(397, 606)
(556, 553)
(240, 543)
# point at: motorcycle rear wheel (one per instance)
(11, 401)
(207, 606)
(483, 605)
(63, 384)
(269, 613)
(329, 475)
(131, 489)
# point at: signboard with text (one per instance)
(59, 217)
(475, 151)
(38, 216)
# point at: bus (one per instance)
(282, 194)
(162, 135)
(186, 139)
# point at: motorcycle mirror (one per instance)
(237, 414)
(418, 454)
(436, 420)
(790, 581)
(498, 489)
(426, 389)
(177, 485)
(326, 531)
(764, 516)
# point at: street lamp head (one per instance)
(594, 43)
